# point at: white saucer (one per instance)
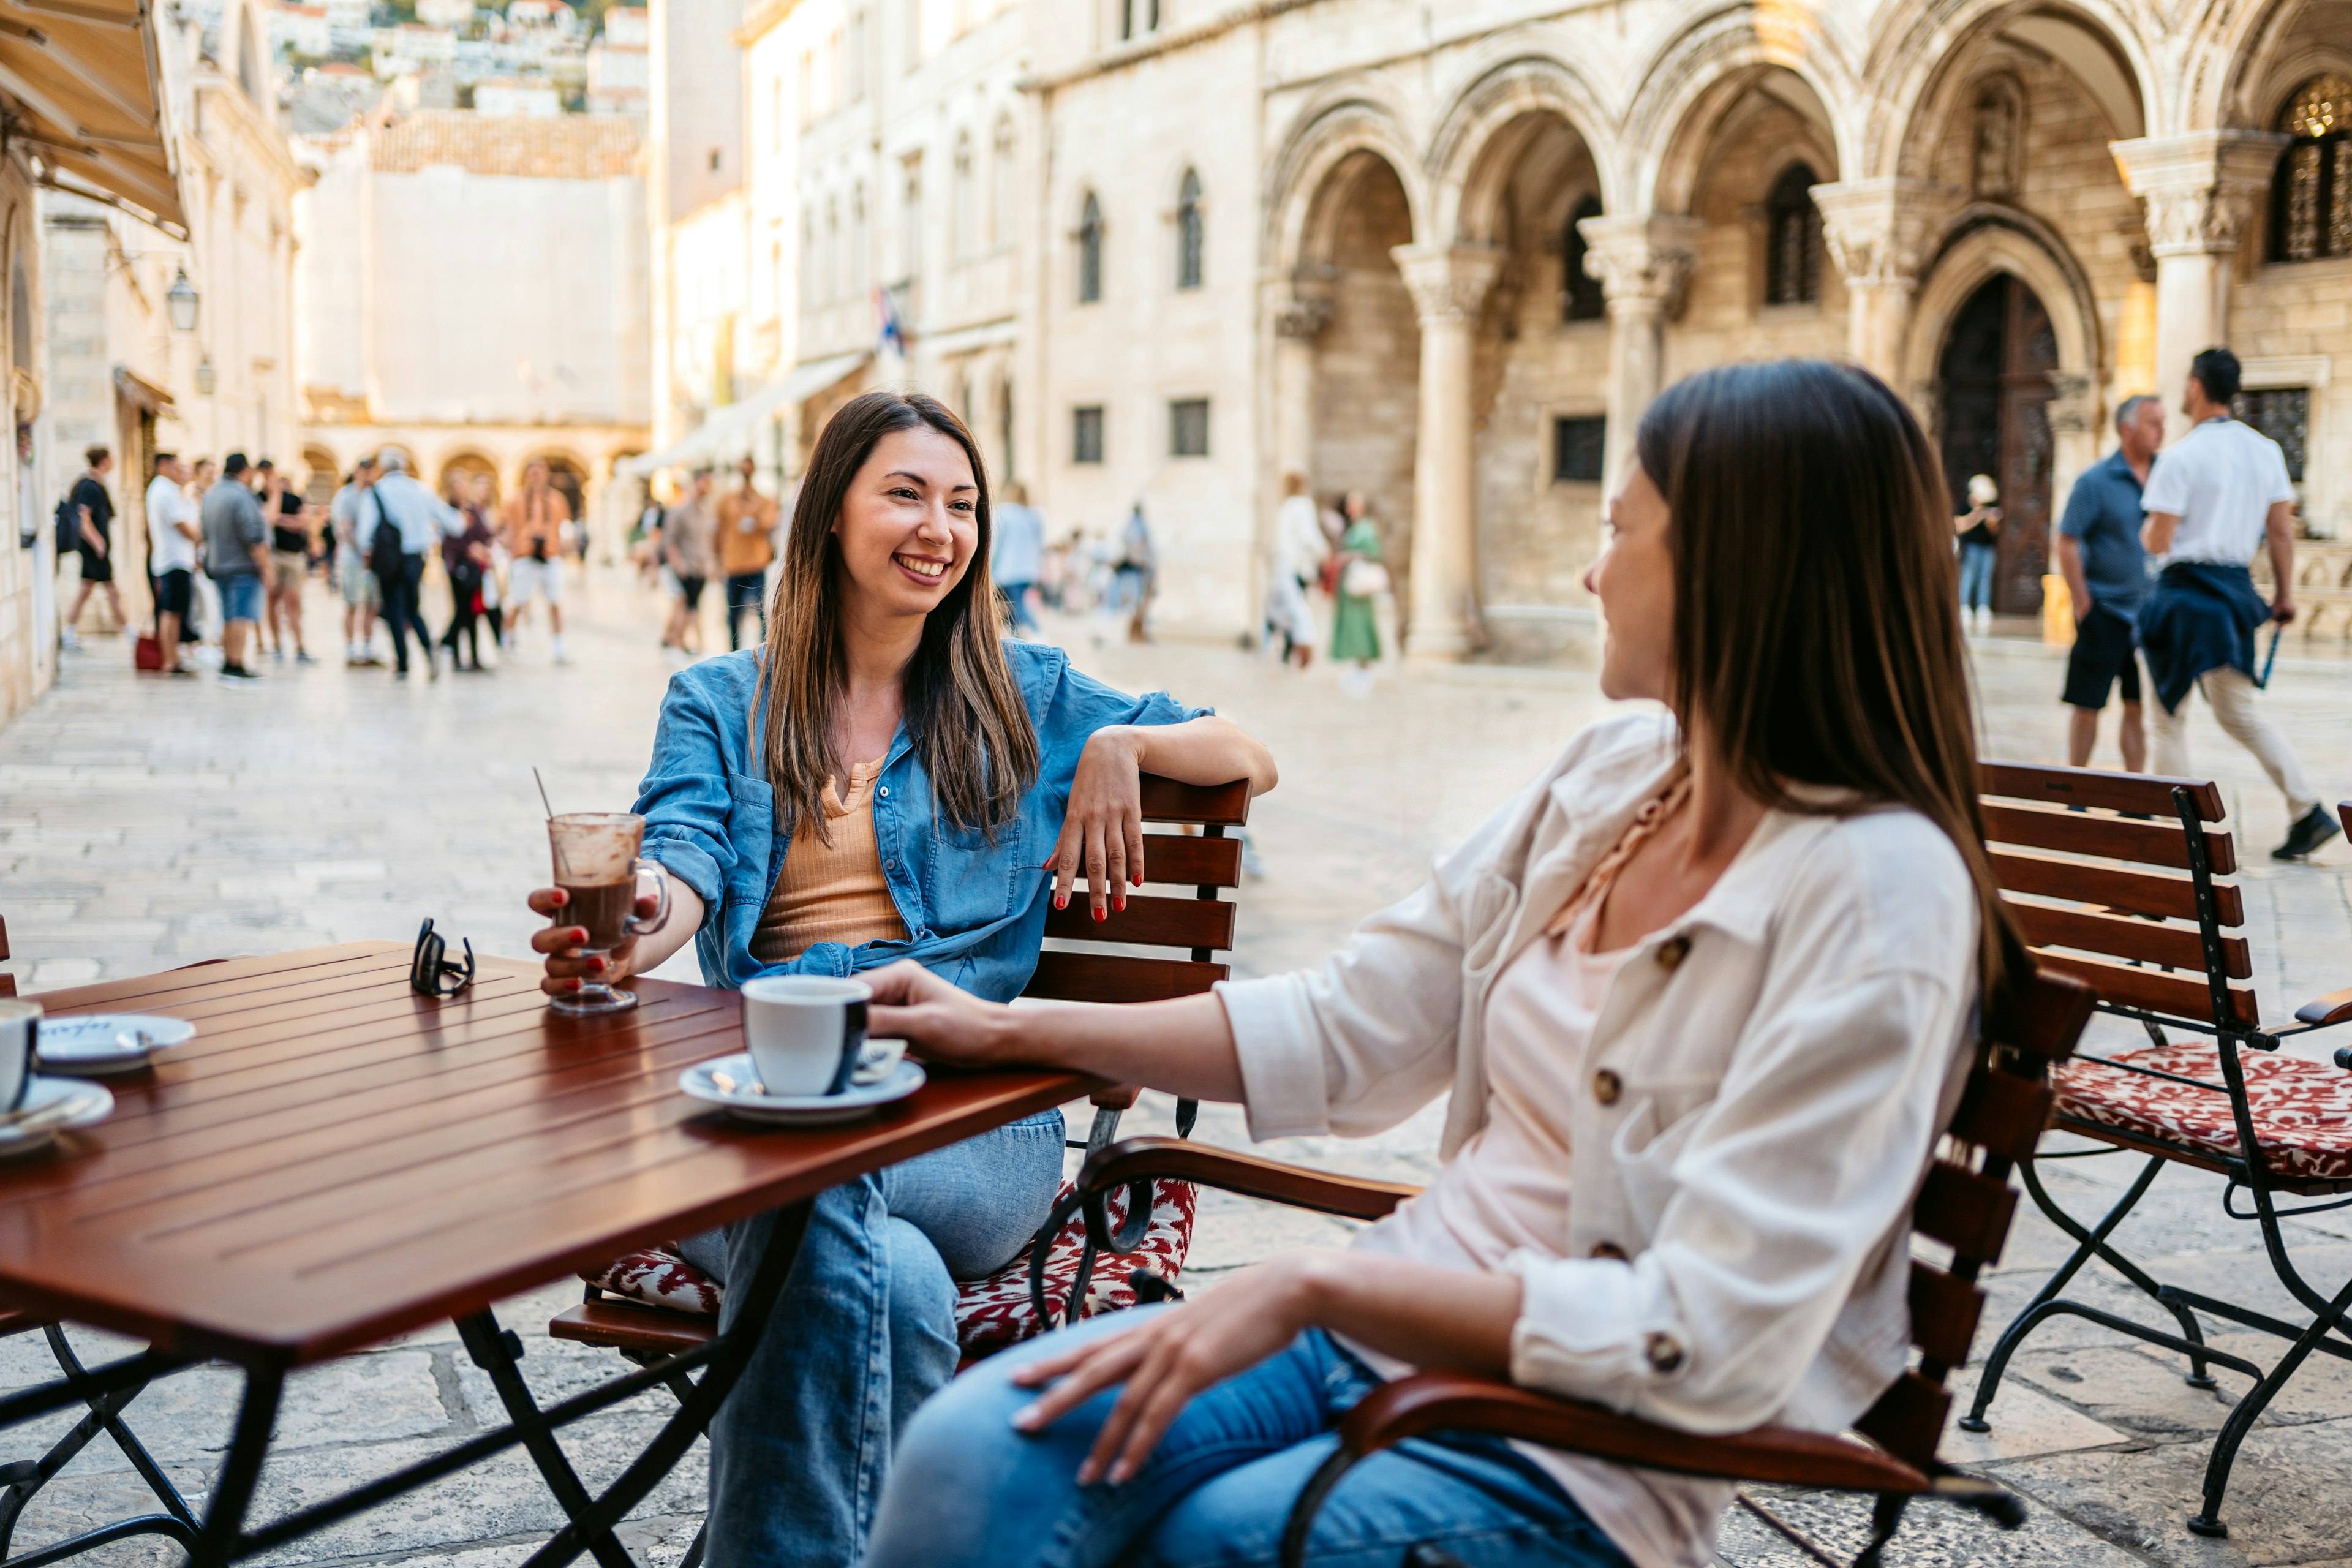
(53, 1105)
(797, 1109)
(91, 1045)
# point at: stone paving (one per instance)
(146, 824)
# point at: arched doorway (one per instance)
(1994, 382)
(462, 469)
(568, 478)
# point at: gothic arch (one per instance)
(2236, 57)
(1326, 137)
(1466, 173)
(1984, 241)
(1925, 56)
(1694, 81)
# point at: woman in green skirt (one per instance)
(1355, 634)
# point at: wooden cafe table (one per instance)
(335, 1160)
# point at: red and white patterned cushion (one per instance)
(2302, 1109)
(991, 1313)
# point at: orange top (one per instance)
(528, 518)
(745, 523)
(831, 892)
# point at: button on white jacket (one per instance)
(1783, 1056)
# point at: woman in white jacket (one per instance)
(1701, 995)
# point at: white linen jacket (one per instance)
(1763, 1086)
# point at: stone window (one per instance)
(2282, 414)
(1188, 231)
(1575, 449)
(1580, 296)
(2311, 195)
(1137, 17)
(1187, 427)
(1090, 251)
(1086, 434)
(1792, 239)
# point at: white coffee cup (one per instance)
(804, 1031)
(20, 1028)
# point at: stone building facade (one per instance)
(1447, 254)
(474, 291)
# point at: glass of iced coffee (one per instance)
(598, 866)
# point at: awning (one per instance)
(137, 389)
(733, 428)
(87, 87)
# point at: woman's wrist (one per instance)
(1118, 743)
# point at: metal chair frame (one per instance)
(2329, 1331)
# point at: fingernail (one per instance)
(1138, 879)
(1120, 1472)
(1119, 904)
(1099, 914)
(1087, 1472)
(1026, 1419)
(1061, 901)
(597, 964)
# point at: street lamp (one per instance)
(183, 299)
(206, 379)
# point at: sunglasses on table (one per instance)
(430, 972)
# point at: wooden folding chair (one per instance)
(1964, 1207)
(2113, 877)
(673, 1307)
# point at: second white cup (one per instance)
(804, 1031)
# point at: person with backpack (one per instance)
(237, 558)
(82, 523)
(399, 521)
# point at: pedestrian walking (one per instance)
(1019, 555)
(402, 520)
(2105, 568)
(203, 623)
(1300, 547)
(1979, 529)
(690, 548)
(90, 507)
(746, 544)
(1139, 572)
(533, 522)
(357, 583)
(173, 537)
(1355, 626)
(466, 557)
(289, 563)
(2216, 494)
(237, 558)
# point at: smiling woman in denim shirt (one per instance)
(887, 779)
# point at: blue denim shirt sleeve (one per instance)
(1075, 705)
(685, 798)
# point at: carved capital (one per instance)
(1878, 232)
(1302, 318)
(2200, 190)
(1643, 262)
(1448, 282)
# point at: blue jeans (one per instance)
(967, 1491)
(1976, 575)
(240, 597)
(864, 1332)
(403, 612)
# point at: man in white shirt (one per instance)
(1299, 547)
(421, 518)
(2212, 498)
(173, 535)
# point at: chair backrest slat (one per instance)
(2176, 946)
(1178, 933)
(2156, 893)
(1908, 1419)
(2111, 792)
(1944, 1313)
(1966, 1210)
(2156, 843)
(2182, 996)
(2003, 1113)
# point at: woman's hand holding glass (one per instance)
(1102, 831)
(568, 964)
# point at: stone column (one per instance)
(1300, 310)
(1877, 233)
(2201, 192)
(1448, 284)
(1642, 264)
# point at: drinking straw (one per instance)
(542, 792)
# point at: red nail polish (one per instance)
(1099, 914)
(1138, 879)
(1061, 901)
(1119, 904)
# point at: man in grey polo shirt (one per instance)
(236, 554)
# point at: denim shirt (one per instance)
(974, 908)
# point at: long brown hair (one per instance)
(963, 709)
(1816, 606)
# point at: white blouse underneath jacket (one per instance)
(1743, 1128)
